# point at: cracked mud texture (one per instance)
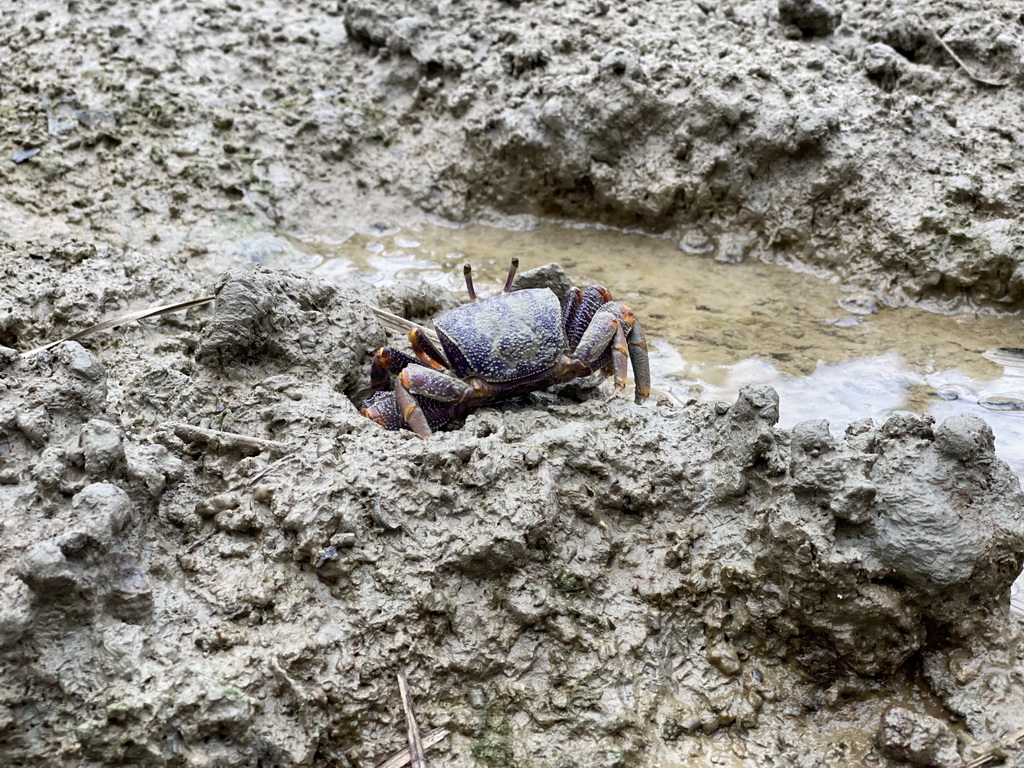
(566, 581)
(838, 136)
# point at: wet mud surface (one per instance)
(208, 557)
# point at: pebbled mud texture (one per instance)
(565, 583)
(836, 136)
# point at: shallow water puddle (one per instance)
(716, 326)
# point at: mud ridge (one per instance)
(646, 584)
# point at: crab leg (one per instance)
(426, 351)
(594, 299)
(570, 306)
(410, 409)
(640, 361)
(437, 386)
(620, 358)
(610, 324)
(595, 339)
(387, 360)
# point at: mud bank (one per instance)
(566, 580)
(835, 136)
(208, 558)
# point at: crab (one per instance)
(503, 346)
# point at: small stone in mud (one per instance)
(550, 276)
(25, 154)
(859, 303)
(130, 598)
(102, 510)
(102, 446)
(15, 611)
(964, 437)
(46, 571)
(263, 492)
(883, 65)
(696, 242)
(725, 659)
(916, 739)
(812, 17)
(328, 565)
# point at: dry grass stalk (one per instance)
(417, 758)
(121, 320)
(401, 758)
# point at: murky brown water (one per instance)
(716, 326)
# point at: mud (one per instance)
(207, 557)
(867, 152)
(649, 585)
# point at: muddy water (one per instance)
(715, 326)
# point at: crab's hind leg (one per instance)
(620, 358)
(594, 343)
(570, 306)
(604, 345)
(614, 329)
(640, 361)
(410, 410)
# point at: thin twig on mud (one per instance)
(113, 323)
(416, 757)
(402, 757)
(400, 324)
(253, 479)
(997, 757)
(218, 440)
(964, 67)
(199, 542)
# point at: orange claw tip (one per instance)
(374, 415)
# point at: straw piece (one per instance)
(416, 759)
(108, 324)
(401, 758)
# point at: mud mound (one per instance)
(667, 580)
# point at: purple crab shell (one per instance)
(504, 338)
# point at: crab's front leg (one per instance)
(388, 360)
(615, 326)
(426, 352)
(439, 387)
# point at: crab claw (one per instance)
(382, 408)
